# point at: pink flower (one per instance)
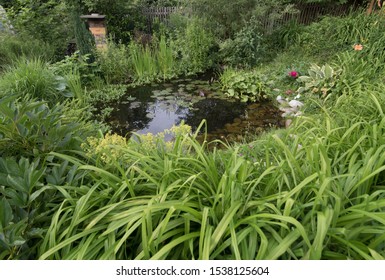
(289, 91)
(293, 74)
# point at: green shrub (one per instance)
(247, 48)
(32, 77)
(24, 205)
(320, 80)
(76, 63)
(46, 21)
(29, 127)
(167, 63)
(244, 85)
(194, 47)
(144, 63)
(29, 196)
(115, 63)
(286, 36)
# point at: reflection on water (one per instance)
(152, 109)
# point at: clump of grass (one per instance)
(165, 59)
(12, 47)
(143, 63)
(30, 77)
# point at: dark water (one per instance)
(158, 107)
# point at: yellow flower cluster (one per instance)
(149, 140)
(107, 148)
(181, 129)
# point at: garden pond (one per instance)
(156, 107)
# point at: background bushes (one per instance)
(12, 47)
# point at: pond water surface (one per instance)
(158, 107)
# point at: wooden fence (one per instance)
(307, 13)
(158, 14)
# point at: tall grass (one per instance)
(12, 47)
(143, 63)
(30, 77)
(165, 59)
(315, 191)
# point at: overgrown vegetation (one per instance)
(314, 190)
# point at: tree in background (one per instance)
(45, 20)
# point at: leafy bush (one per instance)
(47, 21)
(115, 63)
(246, 49)
(78, 64)
(320, 79)
(286, 36)
(29, 196)
(29, 127)
(24, 203)
(194, 47)
(33, 78)
(244, 85)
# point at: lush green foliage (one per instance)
(312, 191)
(226, 18)
(247, 48)
(143, 62)
(32, 77)
(244, 85)
(320, 79)
(30, 127)
(193, 46)
(47, 21)
(14, 46)
(115, 63)
(339, 34)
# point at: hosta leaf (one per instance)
(328, 71)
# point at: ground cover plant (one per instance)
(314, 190)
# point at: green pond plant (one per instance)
(244, 85)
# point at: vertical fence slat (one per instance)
(307, 14)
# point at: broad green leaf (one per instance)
(6, 215)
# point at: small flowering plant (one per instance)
(320, 80)
(293, 74)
